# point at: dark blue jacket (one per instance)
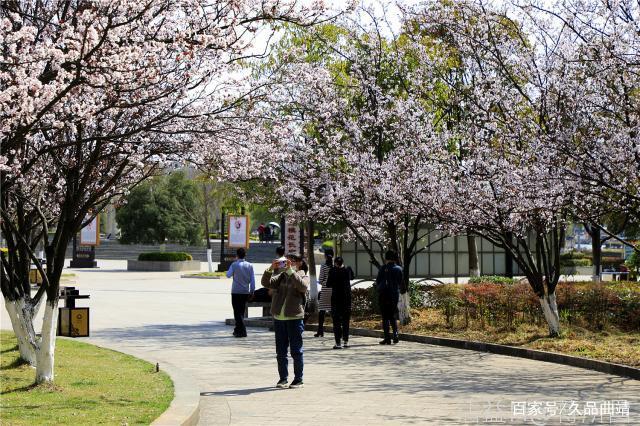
(389, 282)
(340, 281)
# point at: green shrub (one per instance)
(493, 279)
(612, 253)
(418, 295)
(327, 245)
(611, 261)
(447, 297)
(574, 254)
(165, 256)
(364, 301)
(633, 263)
(576, 262)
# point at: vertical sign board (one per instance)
(292, 237)
(84, 254)
(238, 231)
(90, 234)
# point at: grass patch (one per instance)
(92, 386)
(207, 274)
(610, 344)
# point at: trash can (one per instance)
(72, 321)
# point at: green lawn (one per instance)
(92, 386)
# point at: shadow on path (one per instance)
(237, 392)
(406, 368)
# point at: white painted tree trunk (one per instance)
(550, 310)
(209, 263)
(404, 305)
(21, 315)
(47, 346)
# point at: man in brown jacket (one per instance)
(289, 287)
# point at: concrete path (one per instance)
(180, 321)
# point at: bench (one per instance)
(266, 308)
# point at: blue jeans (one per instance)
(289, 334)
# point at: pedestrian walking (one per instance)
(324, 297)
(261, 232)
(388, 285)
(339, 280)
(267, 233)
(288, 300)
(242, 287)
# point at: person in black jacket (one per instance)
(339, 280)
(388, 285)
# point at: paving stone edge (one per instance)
(184, 409)
(574, 361)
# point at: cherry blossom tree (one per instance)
(603, 63)
(344, 136)
(95, 96)
(509, 182)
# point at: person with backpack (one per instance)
(388, 285)
(289, 284)
(339, 281)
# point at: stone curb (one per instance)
(201, 278)
(574, 361)
(184, 409)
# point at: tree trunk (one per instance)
(21, 314)
(46, 349)
(313, 289)
(404, 303)
(596, 252)
(206, 226)
(550, 310)
(474, 264)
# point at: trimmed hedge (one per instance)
(612, 261)
(576, 262)
(574, 254)
(165, 256)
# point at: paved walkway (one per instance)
(180, 321)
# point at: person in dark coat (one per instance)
(388, 284)
(339, 280)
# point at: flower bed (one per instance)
(600, 321)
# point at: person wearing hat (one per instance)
(289, 284)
